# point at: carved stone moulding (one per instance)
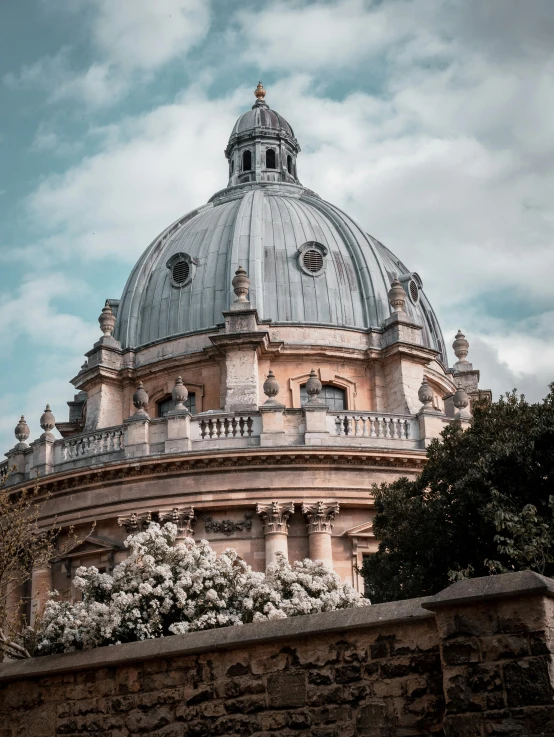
(227, 526)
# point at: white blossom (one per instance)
(163, 589)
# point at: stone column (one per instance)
(319, 519)
(14, 597)
(41, 585)
(275, 517)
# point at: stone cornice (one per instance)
(215, 461)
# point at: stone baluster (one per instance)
(275, 517)
(319, 519)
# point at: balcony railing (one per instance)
(220, 431)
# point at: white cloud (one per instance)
(131, 40)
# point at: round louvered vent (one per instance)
(414, 291)
(312, 260)
(181, 272)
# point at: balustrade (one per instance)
(98, 443)
(212, 428)
(370, 425)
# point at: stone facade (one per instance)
(474, 661)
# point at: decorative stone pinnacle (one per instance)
(140, 400)
(241, 285)
(47, 422)
(313, 388)
(135, 522)
(461, 402)
(425, 395)
(22, 432)
(320, 516)
(183, 517)
(179, 394)
(259, 92)
(271, 388)
(397, 296)
(461, 347)
(275, 516)
(107, 320)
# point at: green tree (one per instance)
(483, 504)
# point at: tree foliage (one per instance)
(483, 504)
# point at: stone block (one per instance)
(286, 690)
(528, 682)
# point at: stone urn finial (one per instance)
(140, 400)
(271, 388)
(425, 395)
(397, 296)
(461, 402)
(107, 320)
(22, 433)
(461, 347)
(241, 285)
(313, 388)
(179, 394)
(47, 422)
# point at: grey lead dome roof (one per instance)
(264, 227)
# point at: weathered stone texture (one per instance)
(480, 665)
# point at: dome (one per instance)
(309, 263)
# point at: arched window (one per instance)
(167, 404)
(289, 164)
(232, 166)
(270, 161)
(246, 161)
(332, 396)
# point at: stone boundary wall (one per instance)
(475, 660)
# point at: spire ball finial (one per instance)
(259, 92)
(47, 422)
(397, 296)
(461, 347)
(22, 432)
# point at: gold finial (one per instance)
(259, 91)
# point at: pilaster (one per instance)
(183, 518)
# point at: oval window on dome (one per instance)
(181, 271)
(414, 290)
(311, 258)
(181, 268)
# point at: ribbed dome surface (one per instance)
(262, 227)
(261, 117)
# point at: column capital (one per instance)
(135, 522)
(183, 517)
(275, 516)
(320, 515)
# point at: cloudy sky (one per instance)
(430, 121)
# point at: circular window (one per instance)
(414, 291)
(181, 271)
(312, 260)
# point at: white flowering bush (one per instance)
(163, 589)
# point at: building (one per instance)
(267, 363)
